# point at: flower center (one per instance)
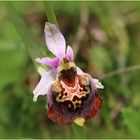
(71, 89)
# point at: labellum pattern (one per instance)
(71, 93)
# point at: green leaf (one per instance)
(11, 65)
(131, 120)
(50, 12)
(34, 48)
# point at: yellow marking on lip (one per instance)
(84, 80)
(67, 93)
(56, 87)
(70, 98)
(65, 66)
(76, 101)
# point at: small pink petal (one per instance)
(55, 40)
(43, 85)
(52, 62)
(69, 53)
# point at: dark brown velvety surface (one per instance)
(61, 114)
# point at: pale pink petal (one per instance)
(52, 62)
(69, 53)
(55, 40)
(44, 84)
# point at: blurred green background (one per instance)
(105, 37)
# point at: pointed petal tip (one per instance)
(47, 24)
(102, 87)
(35, 98)
(79, 121)
(98, 84)
(43, 85)
(35, 95)
(69, 53)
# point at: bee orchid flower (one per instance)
(71, 94)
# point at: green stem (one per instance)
(50, 13)
(78, 131)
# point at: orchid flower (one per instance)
(71, 94)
